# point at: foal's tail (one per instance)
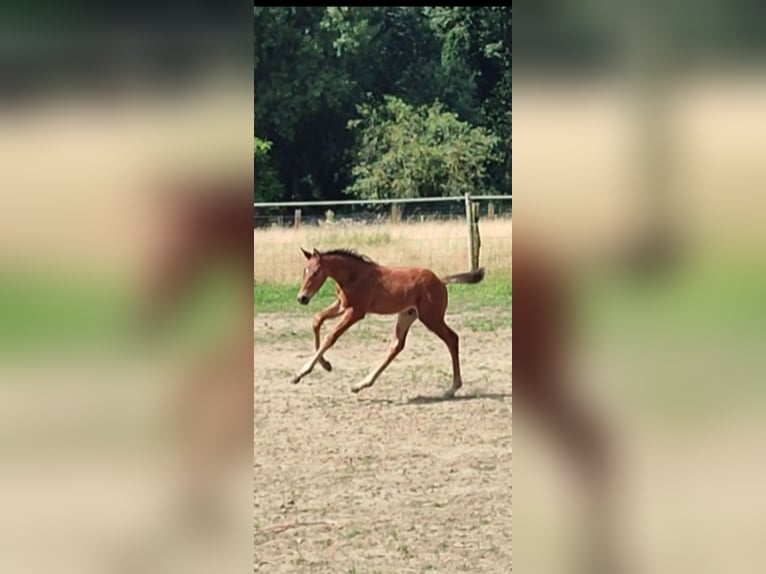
(468, 277)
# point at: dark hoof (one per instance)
(295, 380)
(326, 365)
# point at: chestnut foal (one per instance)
(363, 286)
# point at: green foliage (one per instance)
(314, 66)
(297, 75)
(304, 95)
(267, 186)
(476, 48)
(405, 151)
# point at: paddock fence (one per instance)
(446, 234)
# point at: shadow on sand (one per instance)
(430, 400)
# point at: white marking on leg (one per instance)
(457, 382)
(368, 381)
(309, 365)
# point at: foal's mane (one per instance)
(350, 253)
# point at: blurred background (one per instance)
(638, 175)
(125, 339)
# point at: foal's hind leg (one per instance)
(329, 313)
(403, 324)
(435, 323)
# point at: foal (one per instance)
(363, 286)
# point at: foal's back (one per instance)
(396, 289)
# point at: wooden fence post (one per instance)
(297, 221)
(396, 213)
(476, 236)
(491, 211)
(471, 238)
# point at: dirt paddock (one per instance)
(394, 479)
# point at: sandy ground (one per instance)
(395, 479)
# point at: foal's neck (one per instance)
(344, 270)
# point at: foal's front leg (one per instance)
(347, 318)
(329, 313)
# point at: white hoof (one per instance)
(359, 386)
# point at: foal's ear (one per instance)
(306, 254)
(316, 253)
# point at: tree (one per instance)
(267, 186)
(303, 98)
(476, 44)
(403, 151)
(315, 65)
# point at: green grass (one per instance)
(500, 319)
(54, 312)
(492, 292)
(698, 299)
(273, 297)
(62, 315)
(688, 343)
(44, 313)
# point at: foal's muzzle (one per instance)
(303, 299)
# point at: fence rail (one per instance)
(382, 201)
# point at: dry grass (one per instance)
(438, 245)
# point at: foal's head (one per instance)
(314, 276)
